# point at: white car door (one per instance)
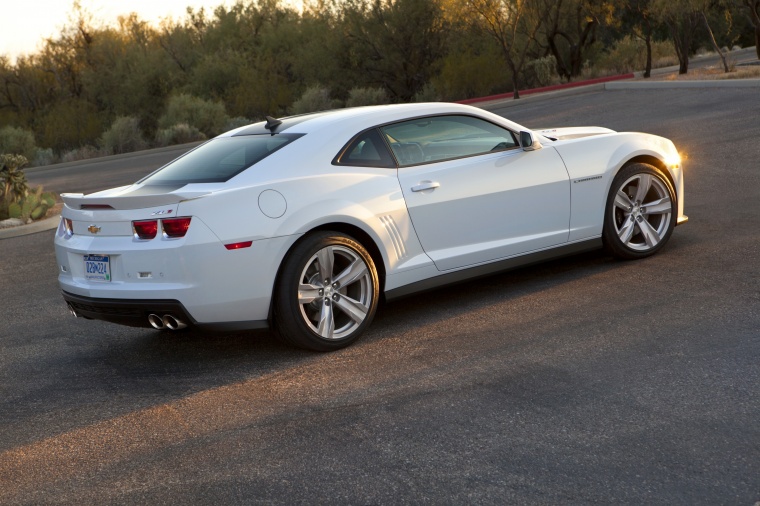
(474, 195)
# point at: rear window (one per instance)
(220, 159)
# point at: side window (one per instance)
(366, 150)
(438, 138)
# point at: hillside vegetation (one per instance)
(100, 89)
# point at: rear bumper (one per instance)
(134, 312)
(195, 276)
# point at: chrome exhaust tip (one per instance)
(72, 310)
(156, 322)
(173, 323)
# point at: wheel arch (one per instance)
(364, 238)
(651, 160)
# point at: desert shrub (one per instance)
(178, 134)
(82, 153)
(629, 54)
(427, 94)
(626, 55)
(366, 96)
(17, 141)
(314, 99)
(207, 116)
(663, 54)
(236, 122)
(124, 136)
(43, 157)
(540, 72)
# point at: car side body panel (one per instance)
(593, 162)
(490, 206)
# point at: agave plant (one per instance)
(12, 178)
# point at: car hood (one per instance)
(135, 196)
(568, 133)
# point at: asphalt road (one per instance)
(584, 380)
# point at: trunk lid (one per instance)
(131, 197)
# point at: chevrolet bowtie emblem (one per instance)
(93, 229)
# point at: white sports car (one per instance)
(304, 223)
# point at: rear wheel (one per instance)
(327, 292)
(639, 217)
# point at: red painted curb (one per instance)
(547, 88)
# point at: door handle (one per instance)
(426, 185)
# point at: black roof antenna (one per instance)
(272, 123)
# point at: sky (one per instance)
(25, 24)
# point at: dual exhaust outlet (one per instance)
(167, 321)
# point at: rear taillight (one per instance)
(68, 226)
(145, 230)
(175, 227)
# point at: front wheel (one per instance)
(638, 218)
(327, 292)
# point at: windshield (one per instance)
(219, 159)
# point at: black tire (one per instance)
(640, 212)
(319, 316)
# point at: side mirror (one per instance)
(528, 143)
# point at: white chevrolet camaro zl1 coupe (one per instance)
(303, 224)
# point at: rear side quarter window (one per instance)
(366, 150)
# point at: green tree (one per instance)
(704, 7)
(70, 123)
(640, 18)
(682, 19)
(514, 25)
(394, 44)
(752, 11)
(571, 31)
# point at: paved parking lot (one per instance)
(581, 380)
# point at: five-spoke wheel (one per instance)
(327, 292)
(639, 215)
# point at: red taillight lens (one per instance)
(68, 226)
(239, 245)
(176, 227)
(145, 229)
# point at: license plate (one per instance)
(97, 268)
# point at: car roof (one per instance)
(355, 118)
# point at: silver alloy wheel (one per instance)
(642, 211)
(335, 292)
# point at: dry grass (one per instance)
(710, 74)
(749, 72)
